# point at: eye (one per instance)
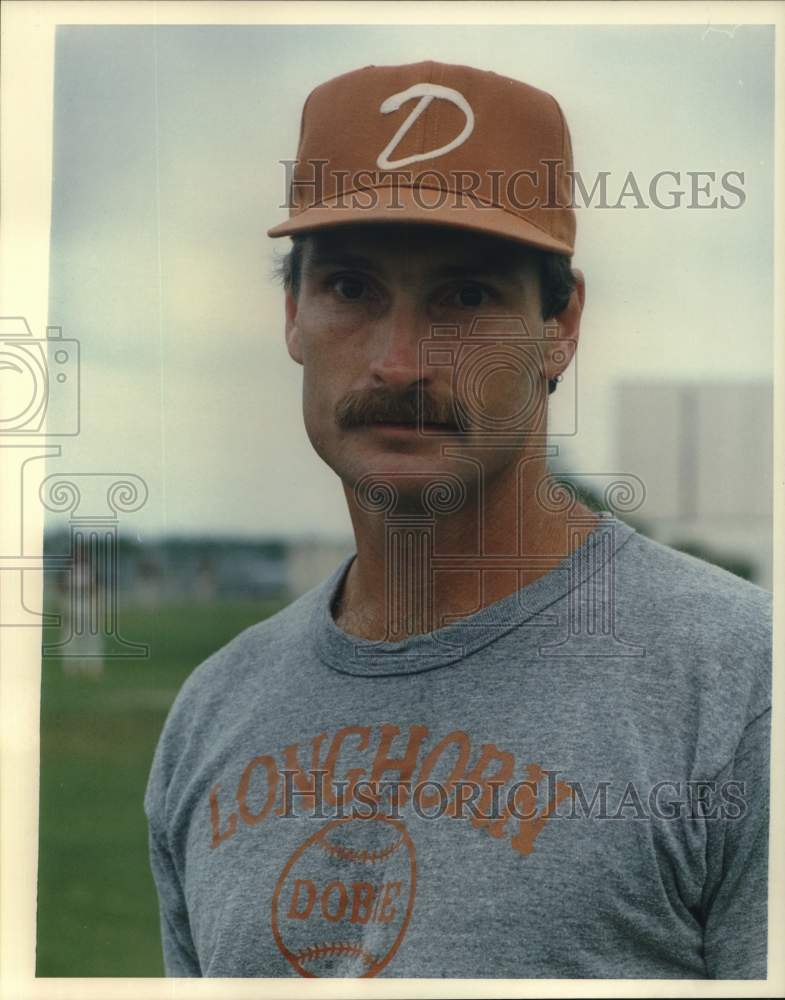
(470, 296)
(349, 287)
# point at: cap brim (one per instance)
(411, 206)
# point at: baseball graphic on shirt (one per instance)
(343, 901)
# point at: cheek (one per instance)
(332, 355)
(504, 384)
(318, 403)
(328, 326)
(501, 379)
(507, 396)
(327, 375)
(320, 392)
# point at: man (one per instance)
(510, 737)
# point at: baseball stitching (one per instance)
(315, 951)
(364, 856)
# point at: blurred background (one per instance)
(196, 505)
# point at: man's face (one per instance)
(368, 326)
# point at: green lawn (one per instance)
(97, 909)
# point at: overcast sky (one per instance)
(166, 177)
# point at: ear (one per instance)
(292, 330)
(562, 344)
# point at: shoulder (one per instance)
(248, 654)
(705, 599)
(707, 636)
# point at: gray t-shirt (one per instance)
(582, 785)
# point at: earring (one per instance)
(552, 383)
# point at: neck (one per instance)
(429, 558)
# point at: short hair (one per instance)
(557, 282)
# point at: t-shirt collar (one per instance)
(350, 654)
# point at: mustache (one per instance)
(409, 406)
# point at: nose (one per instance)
(396, 359)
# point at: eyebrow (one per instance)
(493, 266)
(497, 268)
(333, 258)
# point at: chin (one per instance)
(396, 465)
(418, 482)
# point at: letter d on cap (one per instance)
(426, 92)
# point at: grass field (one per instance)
(97, 908)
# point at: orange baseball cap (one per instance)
(434, 143)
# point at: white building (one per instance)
(704, 453)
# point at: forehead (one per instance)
(426, 247)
